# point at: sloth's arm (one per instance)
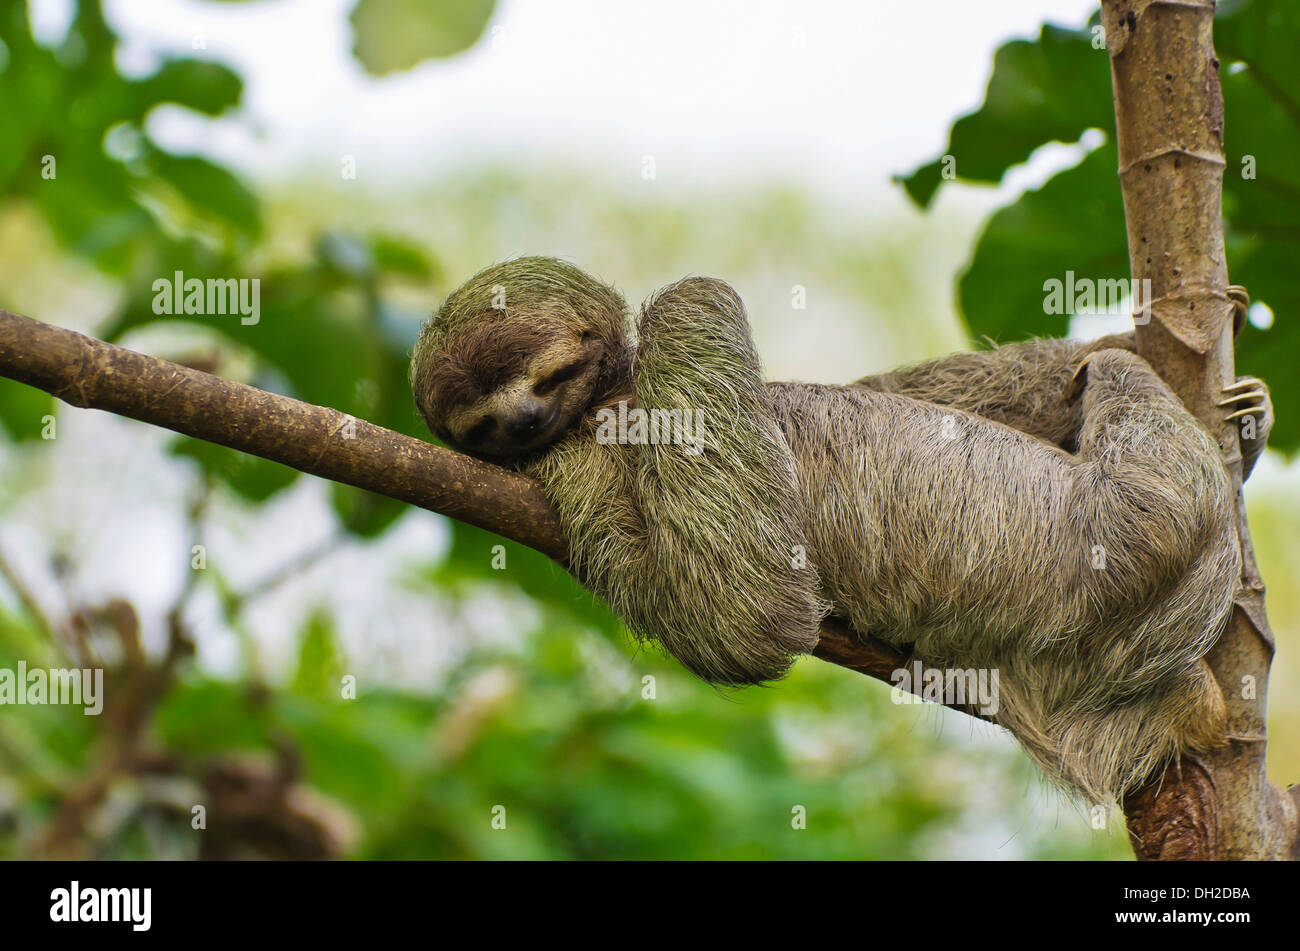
(729, 594)
(1027, 386)
(1024, 385)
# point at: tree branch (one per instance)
(317, 440)
(1169, 124)
(320, 441)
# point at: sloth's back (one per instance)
(959, 537)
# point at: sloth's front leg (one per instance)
(733, 597)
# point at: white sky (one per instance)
(832, 95)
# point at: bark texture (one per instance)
(1169, 124)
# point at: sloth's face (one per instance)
(517, 393)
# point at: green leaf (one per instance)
(320, 663)
(90, 210)
(1056, 88)
(392, 35)
(397, 256)
(209, 716)
(209, 88)
(23, 410)
(211, 189)
(1052, 89)
(1075, 222)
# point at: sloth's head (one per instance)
(518, 355)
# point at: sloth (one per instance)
(1046, 509)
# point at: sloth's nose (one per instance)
(526, 418)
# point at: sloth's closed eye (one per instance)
(563, 374)
(479, 429)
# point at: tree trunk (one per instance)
(1169, 125)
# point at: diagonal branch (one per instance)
(323, 442)
(92, 374)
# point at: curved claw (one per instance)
(1244, 382)
(1248, 396)
(1239, 397)
(1248, 411)
(1240, 298)
(1080, 378)
(1247, 390)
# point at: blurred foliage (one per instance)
(141, 213)
(582, 770)
(1057, 88)
(391, 35)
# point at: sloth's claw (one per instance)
(1079, 379)
(1240, 298)
(1243, 382)
(1240, 397)
(1248, 396)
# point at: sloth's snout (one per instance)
(527, 418)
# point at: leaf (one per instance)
(398, 256)
(320, 662)
(23, 410)
(209, 88)
(392, 35)
(209, 716)
(89, 209)
(1069, 224)
(64, 127)
(211, 189)
(1054, 89)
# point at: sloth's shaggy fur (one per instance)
(1048, 509)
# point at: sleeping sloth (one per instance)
(1047, 509)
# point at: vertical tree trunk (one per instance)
(1169, 123)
